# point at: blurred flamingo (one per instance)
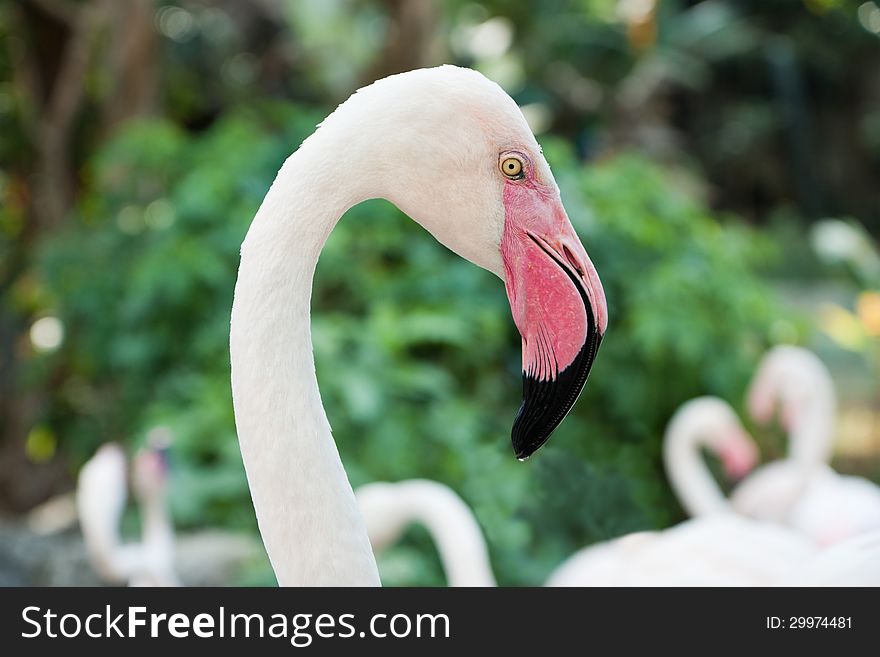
(716, 548)
(801, 490)
(100, 499)
(722, 549)
(389, 508)
(707, 422)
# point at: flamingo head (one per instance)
(149, 473)
(462, 161)
(711, 422)
(737, 452)
(731, 443)
(792, 379)
(556, 298)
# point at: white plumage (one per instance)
(389, 508)
(100, 500)
(801, 490)
(719, 547)
(719, 550)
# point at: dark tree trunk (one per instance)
(60, 45)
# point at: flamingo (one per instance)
(851, 562)
(388, 508)
(716, 547)
(149, 483)
(453, 151)
(801, 490)
(100, 501)
(718, 550)
(705, 422)
(721, 549)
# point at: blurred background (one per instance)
(720, 160)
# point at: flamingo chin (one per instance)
(558, 306)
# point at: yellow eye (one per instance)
(512, 167)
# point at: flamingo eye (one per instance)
(512, 167)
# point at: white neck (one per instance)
(458, 538)
(100, 499)
(158, 539)
(157, 528)
(696, 489)
(452, 525)
(811, 440)
(310, 523)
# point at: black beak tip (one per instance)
(546, 403)
(523, 450)
(530, 429)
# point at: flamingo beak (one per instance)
(738, 454)
(559, 308)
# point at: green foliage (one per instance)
(143, 283)
(417, 356)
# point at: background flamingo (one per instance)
(721, 549)
(801, 490)
(711, 423)
(389, 508)
(101, 497)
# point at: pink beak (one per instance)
(738, 455)
(558, 305)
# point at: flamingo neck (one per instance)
(157, 526)
(158, 539)
(811, 440)
(693, 483)
(112, 560)
(305, 507)
(100, 499)
(454, 529)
